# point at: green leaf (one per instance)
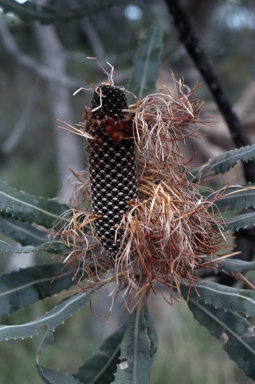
(22, 288)
(46, 14)
(220, 296)
(102, 365)
(218, 308)
(146, 63)
(246, 220)
(23, 233)
(224, 162)
(49, 375)
(98, 368)
(51, 319)
(236, 266)
(28, 208)
(237, 197)
(235, 333)
(138, 349)
(56, 246)
(31, 237)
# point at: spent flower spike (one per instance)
(150, 224)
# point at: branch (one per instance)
(13, 139)
(26, 61)
(191, 41)
(94, 39)
(47, 15)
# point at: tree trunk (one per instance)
(67, 149)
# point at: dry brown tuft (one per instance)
(171, 230)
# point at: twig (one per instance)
(68, 154)
(191, 41)
(243, 240)
(26, 61)
(13, 139)
(94, 39)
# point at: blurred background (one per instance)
(40, 68)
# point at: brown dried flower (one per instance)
(167, 229)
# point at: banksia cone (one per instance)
(111, 163)
(151, 223)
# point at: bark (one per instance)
(191, 41)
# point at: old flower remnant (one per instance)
(150, 223)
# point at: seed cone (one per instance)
(111, 165)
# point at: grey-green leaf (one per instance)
(23, 233)
(102, 365)
(49, 375)
(56, 246)
(22, 288)
(235, 333)
(220, 296)
(236, 266)
(31, 237)
(146, 63)
(28, 208)
(224, 162)
(237, 197)
(138, 349)
(245, 220)
(51, 319)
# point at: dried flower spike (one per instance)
(145, 213)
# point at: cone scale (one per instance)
(112, 164)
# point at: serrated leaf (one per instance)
(51, 319)
(138, 349)
(22, 288)
(31, 237)
(50, 247)
(23, 233)
(50, 375)
(47, 375)
(235, 333)
(245, 220)
(224, 162)
(28, 208)
(220, 296)
(146, 63)
(237, 197)
(236, 266)
(102, 365)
